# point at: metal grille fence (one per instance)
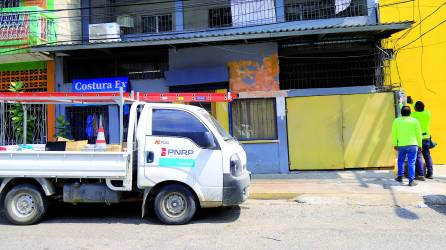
(296, 10)
(333, 69)
(14, 26)
(8, 133)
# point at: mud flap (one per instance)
(144, 200)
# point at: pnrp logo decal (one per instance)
(176, 152)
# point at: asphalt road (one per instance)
(254, 225)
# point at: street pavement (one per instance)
(315, 210)
(257, 224)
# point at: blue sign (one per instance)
(101, 84)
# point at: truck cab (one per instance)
(185, 144)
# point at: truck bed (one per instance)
(104, 165)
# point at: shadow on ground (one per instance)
(125, 213)
(436, 202)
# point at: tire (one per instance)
(175, 205)
(25, 205)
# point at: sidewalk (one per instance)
(356, 187)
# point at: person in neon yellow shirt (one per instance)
(406, 138)
(424, 118)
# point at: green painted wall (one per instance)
(35, 15)
(23, 66)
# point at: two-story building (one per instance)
(25, 24)
(310, 74)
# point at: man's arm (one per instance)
(418, 134)
(395, 133)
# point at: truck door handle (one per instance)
(150, 157)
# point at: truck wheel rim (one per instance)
(174, 204)
(23, 205)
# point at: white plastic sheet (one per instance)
(252, 12)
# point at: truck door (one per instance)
(180, 147)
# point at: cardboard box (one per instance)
(76, 145)
(113, 148)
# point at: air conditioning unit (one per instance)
(126, 21)
(104, 32)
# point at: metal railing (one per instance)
(14, 26)
(21, 26)
(8, 133)
(228, 13)
(296, 10)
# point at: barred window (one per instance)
(9, 3)
(220, 17)
(254, 119)
(156, 24)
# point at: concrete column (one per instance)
(282, 134)
(179, 17)
(58, 82)
(280, 11)
(85, 20)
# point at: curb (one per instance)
(273, 196)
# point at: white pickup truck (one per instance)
(178, 159)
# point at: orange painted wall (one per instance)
(248, 75)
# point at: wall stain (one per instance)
(249, 75)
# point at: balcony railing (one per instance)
(203, 15)
(20, 28)
(296, 10)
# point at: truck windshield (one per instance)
(226, 136)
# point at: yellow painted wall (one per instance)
(421, 66)
(221, 111)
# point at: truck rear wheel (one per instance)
(175, 205)
(25, 205)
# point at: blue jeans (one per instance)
(426, 154)
(411, 153)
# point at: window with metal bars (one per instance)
(254, 119)
(328, 70)
(156, 23)
(84, 122)
(8, 133)
(9, 3)
(220, 17)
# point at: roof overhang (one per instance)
(25, 57)
(378, 31)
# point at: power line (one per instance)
(422, 35)
(422, 53)
(420, 22)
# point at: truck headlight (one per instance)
(236, 165)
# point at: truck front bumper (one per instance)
(235, 189)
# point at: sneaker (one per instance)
(420, 178)
(413, 183)
(429, 176)
(399, 179)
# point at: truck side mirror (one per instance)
(208, 141)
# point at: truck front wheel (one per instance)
(175, 205)
(24, 205)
